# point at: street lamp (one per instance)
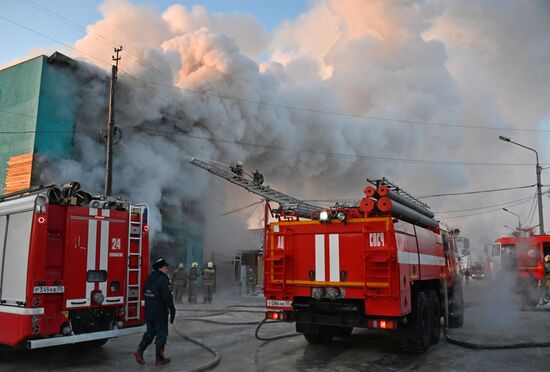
(517, 215)
(539, 184)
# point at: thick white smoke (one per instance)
(435, 61)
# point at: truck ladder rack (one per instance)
(133, 270)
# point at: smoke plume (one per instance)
(187, 75)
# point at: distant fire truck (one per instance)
(383, 264)
(523, 255)
(72, 267)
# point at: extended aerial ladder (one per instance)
(288, 205)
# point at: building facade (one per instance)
(37, 117)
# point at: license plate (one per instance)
(49, 289)
(278, 303)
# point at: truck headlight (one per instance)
(341, 216)
(323, 216)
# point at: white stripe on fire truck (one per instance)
(425, 259)
(106, 212)
(90, 264)
(93, 211)
(334, 257)
(320, 257)
(104, 253)
(21, 310)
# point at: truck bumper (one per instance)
(64, 340)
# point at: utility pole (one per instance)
(539, 183)
(111, 126)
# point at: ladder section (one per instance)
(286, 202)
(274, 261)
(133, 270)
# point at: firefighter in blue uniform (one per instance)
(158, 305)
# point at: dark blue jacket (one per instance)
(158, 298)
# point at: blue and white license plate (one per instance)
(279, 303)
(46, 289)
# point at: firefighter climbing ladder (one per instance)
(133, 271)
(286, 202)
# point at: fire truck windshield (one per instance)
(508, 253)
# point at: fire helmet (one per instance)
(194, 264)
(210, 264)
(160, 263)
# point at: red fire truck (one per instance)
(72, 267)
(523, 255)
(383, 264)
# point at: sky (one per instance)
(318, 95)
(17, 42)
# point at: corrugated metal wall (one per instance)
(35, 95)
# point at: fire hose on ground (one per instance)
(217, 358)
(230, 309)
(480, 346)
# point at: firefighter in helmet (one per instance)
(237, 168)
(257, 177)
(209, 275)
(194, 275)
(159, 305)
(250, 281)
(179, 282)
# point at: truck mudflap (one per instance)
(64, 340)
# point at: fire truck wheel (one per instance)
(324, 336)
(433, 303)
(421, 324)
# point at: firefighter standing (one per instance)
(250, 281)
(193, 276)
(209, 275)
(158, 305)
(179, 281)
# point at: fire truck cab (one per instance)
(523, 256)
(72, 268)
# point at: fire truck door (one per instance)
(114, 236)
(82, 241)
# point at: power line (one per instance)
(487, 206)
(241, 208)
(259, 102)
(329, 153)
(474, 192)
(485, 212)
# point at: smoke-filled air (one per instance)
(318, 104)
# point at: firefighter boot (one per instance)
(141, 348)
(161, 360)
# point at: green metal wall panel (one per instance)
(19, 99)
(56, 111)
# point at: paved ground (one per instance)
(493, 316)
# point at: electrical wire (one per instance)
(485, 207)
(486, 212)
(259, 102)
(475, 192)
